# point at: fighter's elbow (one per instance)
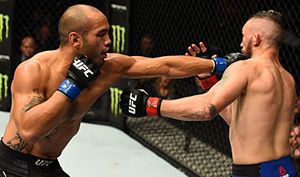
(207, 113)
(208, 118)
(198, 117)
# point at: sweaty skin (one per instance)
(255, 97)
(42, 120)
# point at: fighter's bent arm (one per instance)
(207, 106)
(34, 116)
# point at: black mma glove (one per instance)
(81, 73)
(137, 103)
(233, 57)
(207, 54)
(205, 80)
(222, 63)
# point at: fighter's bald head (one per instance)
(76, 18)
(269, 23)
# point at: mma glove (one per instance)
(222, 63)
(137, 103)
(81, 73)
(207, 83)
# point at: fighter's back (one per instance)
(263, 113)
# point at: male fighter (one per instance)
(47, 107)
(255, 97)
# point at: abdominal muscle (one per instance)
(50, 147)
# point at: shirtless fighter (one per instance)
(47, 107)
(255, 97)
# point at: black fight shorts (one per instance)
(16, 164)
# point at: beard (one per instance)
(92, 53)
(248, 50)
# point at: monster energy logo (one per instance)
(4, 19)
(118, 38)
(3, 81)
(115, 98)
(118, 8)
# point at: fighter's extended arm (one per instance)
(177, 66)
(202, 107)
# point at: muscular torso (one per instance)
(262, 114)
(43, 121)
(52, 144)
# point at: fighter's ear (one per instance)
(257, 38)
(75, 39)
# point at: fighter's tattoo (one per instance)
(18, 144)
(39, 98)
(54, 132)
(224, 79)
(205, 113)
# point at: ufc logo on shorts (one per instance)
(81, 66)
(42, 163)
(132, 106)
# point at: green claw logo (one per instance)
(118, 38)
(115, 98)
(3, 77)
(4, 24)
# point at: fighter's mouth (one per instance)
(104, 54)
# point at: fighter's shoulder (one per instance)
(288, 77)
(34, 67)
(242, 66)
(29, 67)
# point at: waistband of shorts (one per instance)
(37, 161)
(282, 166)
(246, 170)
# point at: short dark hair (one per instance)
(275, 17)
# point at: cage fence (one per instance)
(168, 27)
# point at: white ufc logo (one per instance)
(42, 163)
(81, 66)
(132, 106)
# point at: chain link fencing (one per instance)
(168, 27)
